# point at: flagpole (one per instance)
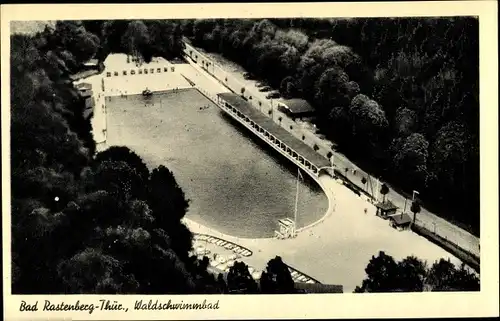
(296, 200)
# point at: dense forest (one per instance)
(399, 96)
(87, 222)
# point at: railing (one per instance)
(270, 142)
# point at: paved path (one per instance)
(233, 78)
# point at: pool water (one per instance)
(236, 184)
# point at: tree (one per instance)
(183, 240)
(411, 273)
(287, 87)
(96, 208)
(289, 60)
(382, 275)
(73, 37)
(91, 271)
(444, 276)
(454, 164)
(124, 154)
(410, 158)
(384, 190)
(221, 284)
(137, 40)
(166, 198)
(332, 89)
(466, 280)
(119, 179)
(293, 37)
(277, 278)
(239, 279)
(270, 54)
(415, 208)
(264, 29)
(405, 121)
(368, 122)
(112, 35)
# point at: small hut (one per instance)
(296, 108)
(400, 221)
(286, 229)
(384, 209)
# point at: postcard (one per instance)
(250, 161)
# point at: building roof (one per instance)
(286, 222)
(297, 106)
(91, 63)
(83, 74)
(400, 219)
(117, 62)
(386, 206)
(84, 86)
(319, 288)
(86, 93)
(269, 125)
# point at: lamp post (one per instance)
(299, 175)
(412, 199)
(413, 196)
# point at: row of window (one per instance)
(276, 141)
(141, 71)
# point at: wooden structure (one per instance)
(296, 108)
(301, 154)
(318, 288)
(84, 89)
(286, 229)
(385, 209)
(400, 221)
(85, 93)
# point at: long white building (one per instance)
(119, 65)
(124, 76)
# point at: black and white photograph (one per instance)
(256, 155)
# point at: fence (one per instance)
(465, 256)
